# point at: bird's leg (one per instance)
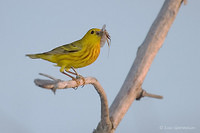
(78, 75)
(75, 72)
(78, 83)
(71, 72)
(69, 75)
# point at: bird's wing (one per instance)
(68, 48)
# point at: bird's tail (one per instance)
(44, 56)
(34, 56)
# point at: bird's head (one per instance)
(95, 35)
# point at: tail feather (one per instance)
(44, 56)
(33, 56)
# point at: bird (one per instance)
(77, 54)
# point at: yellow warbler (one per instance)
(77, 54)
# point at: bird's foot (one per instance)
(82, 78)
(77, 82)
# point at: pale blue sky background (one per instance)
(32, 26)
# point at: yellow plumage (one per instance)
(77, 54)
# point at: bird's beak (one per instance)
(104, 36)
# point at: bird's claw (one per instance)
(82, 78)
(78, 81)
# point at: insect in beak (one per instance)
(105, 37)
(108, 38)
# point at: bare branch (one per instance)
(145, 55)
(143, 93)
(59, 84)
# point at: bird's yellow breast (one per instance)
(82, 58)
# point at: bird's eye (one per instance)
(92, 32)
